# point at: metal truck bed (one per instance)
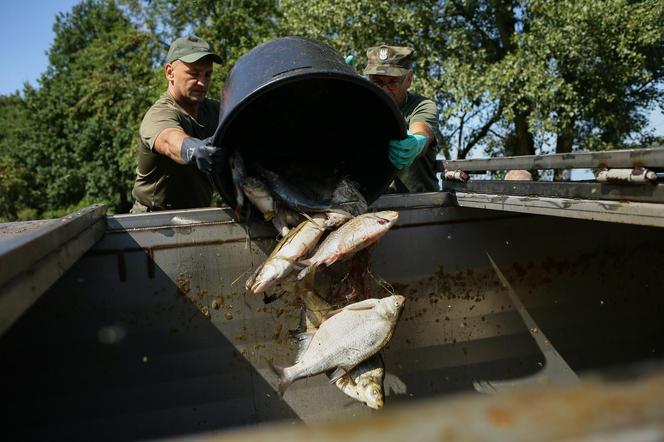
(150, 334)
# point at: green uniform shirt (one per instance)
(161, 183)
(421, 175)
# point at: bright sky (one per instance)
(26, 27)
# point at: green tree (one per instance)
(86, 112)
(15, 174)
(232, 27)
(509, 75)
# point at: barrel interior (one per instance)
(315, 130)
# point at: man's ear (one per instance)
(168, 69)
(409, 79)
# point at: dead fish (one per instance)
(343, 341)
(299, 241)
(238, 174)
(260, 196)
(347, 196)
(316, 309)
(290, 195)
(335, 219)
(285, 218)
(364, 383)
(351, 237)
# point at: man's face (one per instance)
(189, 82)
(396, 87)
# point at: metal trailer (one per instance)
(134, 327)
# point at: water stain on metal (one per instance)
(149, 254)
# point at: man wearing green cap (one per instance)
(176, 154)
(390, 67)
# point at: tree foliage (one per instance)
(509, 77)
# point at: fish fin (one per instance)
(367, 304)
(337, 374)
(306, 270)
(332, 259)
(341, 211)
(306, 215)
(284, 383)
(394, 385)
(303, 341)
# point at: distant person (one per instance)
(518, 175)
(176, 155)
(390, 67)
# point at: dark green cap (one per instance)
(393, 61)
(190, 49)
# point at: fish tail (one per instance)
(284, 382)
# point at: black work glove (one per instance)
(201, 153)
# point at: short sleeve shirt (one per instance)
(161, 183)
(421, 175)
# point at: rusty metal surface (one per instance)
(627, 158)
(653, 193)
(13, 229)
(151, 334)
(637, 175)
(26, 245)
(594, 411)
(645, 214)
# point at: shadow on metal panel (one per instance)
(118, 350)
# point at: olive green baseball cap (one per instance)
(190, 49)
(394, 61)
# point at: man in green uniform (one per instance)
(390, 68)
(176, 155)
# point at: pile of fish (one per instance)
(342, 343)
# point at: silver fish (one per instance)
(347, 196)
(260, 196)
(238, 174)
(290, 195)
(335, 219)
(364, 383)
(299, 241)
(285, 218)
(343, 341)
(351, 237)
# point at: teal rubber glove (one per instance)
(402, 153)
(350, 59)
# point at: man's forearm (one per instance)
(169, 143)
(423, 129)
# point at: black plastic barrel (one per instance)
(293, 106)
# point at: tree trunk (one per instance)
(525, 144)
(564, 142)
